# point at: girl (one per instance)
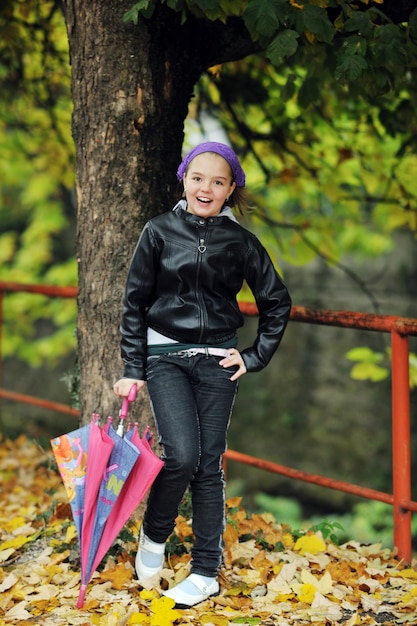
(178, 332)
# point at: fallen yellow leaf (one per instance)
(215, 619)
(15, 543)
(138, 618)
(118, 575)
(324, 584)
(148, 594)
(163, 612)
(305, 592)
(310, 544)
(404, 573)
(410, 596)
(70, 534)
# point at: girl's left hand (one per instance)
(234, 358)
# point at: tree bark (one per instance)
(131, 86)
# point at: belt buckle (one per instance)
(189, 352)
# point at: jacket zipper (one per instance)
(201, 249)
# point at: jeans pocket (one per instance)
(151, 361)
(228, 371)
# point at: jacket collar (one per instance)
(181, 209)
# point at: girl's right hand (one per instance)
(124, 385)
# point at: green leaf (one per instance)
(145, 7)
(364, 354)
(206, 9)
(327, 530)
(261, 17)
(282, 46)
(350, 67)
(389, 48)
(351, 62)
(360, 22)
(232, 7)
(317, 22)
(355, 44)
(368, 371)
(367, 367)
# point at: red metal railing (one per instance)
(400, 328)
(45, 290)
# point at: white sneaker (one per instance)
(184, 600)
(148, 547)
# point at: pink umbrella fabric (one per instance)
(71, 452)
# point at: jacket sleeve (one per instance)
(140, 287)
(274, 306)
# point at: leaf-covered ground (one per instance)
(270, 576)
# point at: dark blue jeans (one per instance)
(192, 399)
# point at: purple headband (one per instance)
(219, 148)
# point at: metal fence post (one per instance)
(401, 458)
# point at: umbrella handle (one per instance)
(125, 405)
(127, 400)
(132, 393)
(81, 596)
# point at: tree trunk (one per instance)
(122, 152)
(131, 85)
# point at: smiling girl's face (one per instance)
(208, 184)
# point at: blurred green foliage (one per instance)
(37, 210)
(375, 366)
(367, 522)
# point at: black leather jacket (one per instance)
(183, 280)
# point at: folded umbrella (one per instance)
(106, 476)
(99, 502)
